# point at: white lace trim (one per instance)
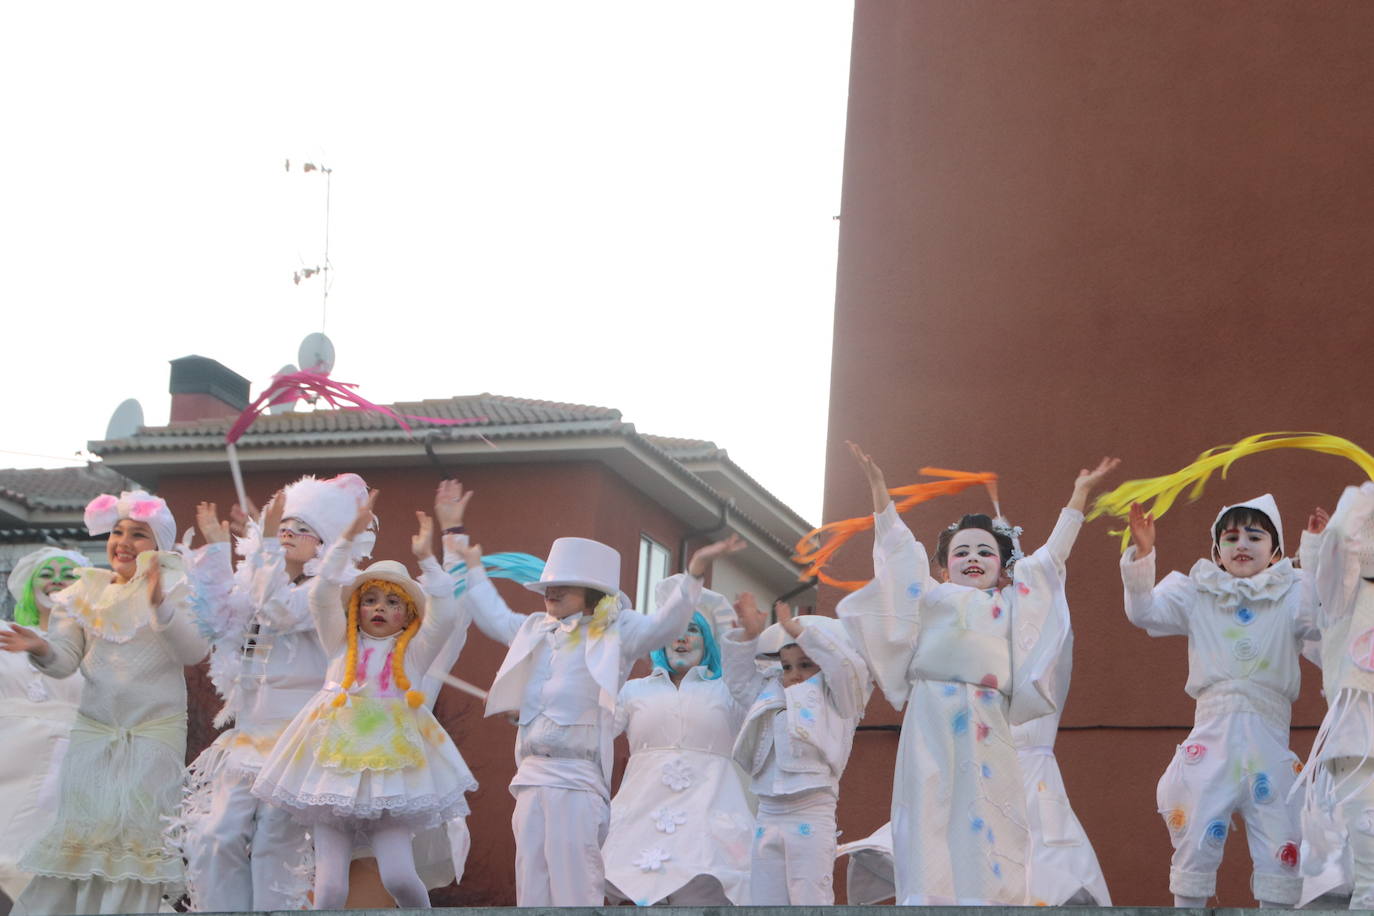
(422, 812)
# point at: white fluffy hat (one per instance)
(580, 561)
(105, 511)
(714, 606)
(28, 564)
(1264, 505)
(775, 637)
(327, 506)
(388, 571)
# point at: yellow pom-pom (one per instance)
(415, 698)
(341, 699)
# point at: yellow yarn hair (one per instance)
(398, 668)
(1162, 492)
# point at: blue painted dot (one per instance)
(1244, 616)
(913, 590)
(807, 714)
(987, 696)
(960, 722)
(976, 824)
(997, 869)
(804, 829)
(758, 832)
(987, 771)
(949, 690)
(990, 837)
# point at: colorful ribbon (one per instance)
(1162, 492)
(814, 555)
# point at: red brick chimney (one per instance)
(203, 389)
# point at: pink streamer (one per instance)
(310, 386)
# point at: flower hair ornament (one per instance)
(106, 511)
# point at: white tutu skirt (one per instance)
(370, 757)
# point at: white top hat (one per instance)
(775, 637)
(1264, 505)
(388, 571)
(580, 561)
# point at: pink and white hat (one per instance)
(105, 511)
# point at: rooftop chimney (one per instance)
(203, 389)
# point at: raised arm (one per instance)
(1336, 570)
(640, 635)
(738, 649)
(326, 606)
(1159, 610)
(1061, 539)
(877, 484)
(846, 674)
(169, 596)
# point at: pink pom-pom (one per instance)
(145, 509)
(102, 503)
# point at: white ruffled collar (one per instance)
(1269, 585)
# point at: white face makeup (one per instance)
(298, 542)
(974, 559)
(687, 651)
(1244, 550)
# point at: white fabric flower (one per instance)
(677, 775)
(651, 859)
(668, 821)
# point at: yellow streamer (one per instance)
(1163, 492)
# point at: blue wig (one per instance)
(710, 652)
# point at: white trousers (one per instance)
(245, 855)
(793, 859)
(1236, 763)
(558, 837)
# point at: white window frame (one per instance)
(655, 562)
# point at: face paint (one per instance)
(51, 578)
(686, 652)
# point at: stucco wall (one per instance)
(1073, 228)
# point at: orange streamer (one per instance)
(814, 555)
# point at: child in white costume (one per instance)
(365, 757)
(130, 631)
(794, 744)
(561, 675)
(36, 712)
(966, 659)
(1246, 616)
(1338, 812)
(266, 661)
(682, 822)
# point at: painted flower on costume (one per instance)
(651, 859)
(1193, 753)
(668, 821)
(677, 775)
(1215, 835)
(1297, 767)
(1288, 855)
(1177, 819)
(1262, 789)
(804, 829)
(1244, 616)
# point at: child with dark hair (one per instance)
(967, 658)
(1246, 614)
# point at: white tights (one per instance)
(391, 844)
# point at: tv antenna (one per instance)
(323, 268)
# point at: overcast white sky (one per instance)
(622, 204)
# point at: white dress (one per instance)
(965, 663)
(375, 754)
(36, 713)
(121, 776)
(682, 793)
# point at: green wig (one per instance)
(26, 611)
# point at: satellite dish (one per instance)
(288, 403)
(125, 420)
(316, 353)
